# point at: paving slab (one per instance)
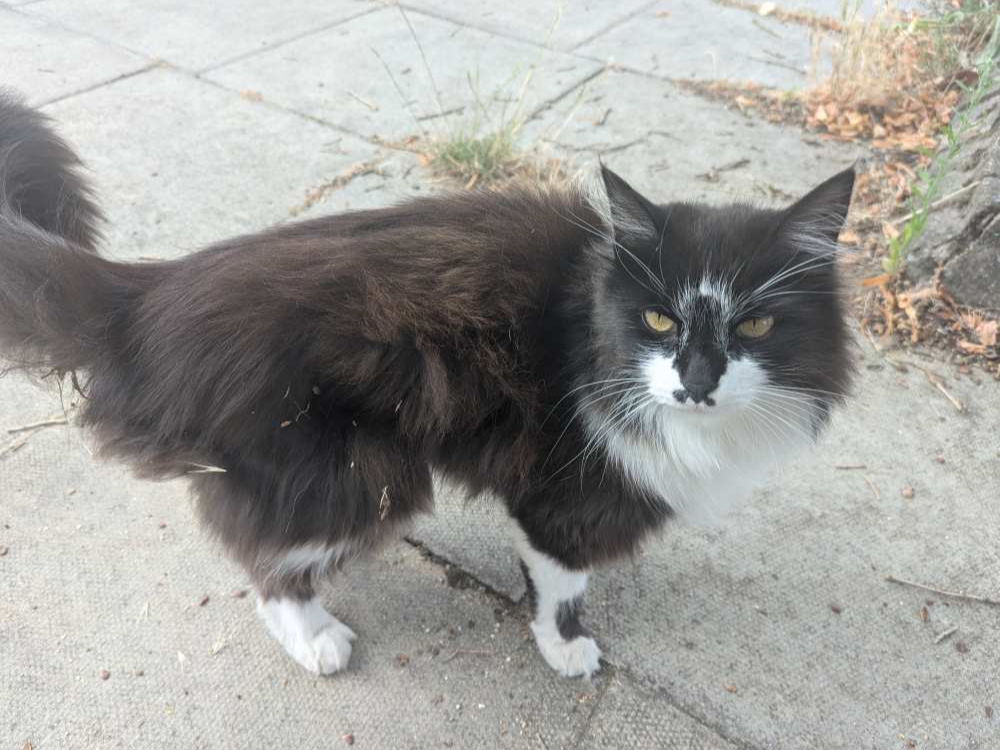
(341, 76)
(475, 535)
(552, 23)
(126, 594)
(630, 716)
(197, 35)
(179, 162)
(679, 146)
(702, 40)
(42, 60)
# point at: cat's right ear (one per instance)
(628, 212)
(815, 221)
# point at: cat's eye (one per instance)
(657, 321)
(754, 328)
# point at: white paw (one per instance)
(578, 657)
(327, 652)
(312, 636)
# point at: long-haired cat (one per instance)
(594, 360)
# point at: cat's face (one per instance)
(718, 315)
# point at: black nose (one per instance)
(699, 378)
(697, 392)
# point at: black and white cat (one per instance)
(596, 361)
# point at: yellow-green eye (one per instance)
(657, 321)
(754, 328)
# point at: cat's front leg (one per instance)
(555, 593)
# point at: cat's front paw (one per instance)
(329, 650)
(312, 636)
(577, 657)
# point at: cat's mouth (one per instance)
(704, 409)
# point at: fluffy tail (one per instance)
(57, 296)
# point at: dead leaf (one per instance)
(987, 332)
(876, 280)
(968, 346)
(767, 9)
(849, 237)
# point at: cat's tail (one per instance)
(57, 295)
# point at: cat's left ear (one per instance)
(815, 221)
(630, 214)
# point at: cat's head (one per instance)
(713, 315)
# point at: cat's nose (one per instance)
(698, 392)
(698, 380)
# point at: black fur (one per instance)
(568, 619)
(310, 377)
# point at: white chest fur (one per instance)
(702, 465)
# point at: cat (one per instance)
(596, 361)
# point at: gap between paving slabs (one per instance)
(610, 677)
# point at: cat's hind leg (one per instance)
(288, 605)
(556, 593)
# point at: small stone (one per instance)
(962, 647)
(348, 739)
(939, 459)
(162, 525)
(835, 609)
(4, 550)
(204, 600)
(402, 660)
(989, 712)
(730, 688)
(238, 593)
(105, 674)
(139, 673)
(907, 492)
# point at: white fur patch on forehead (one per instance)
(720, 292)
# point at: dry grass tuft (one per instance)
(894, 77)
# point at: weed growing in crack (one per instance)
(483, 145)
